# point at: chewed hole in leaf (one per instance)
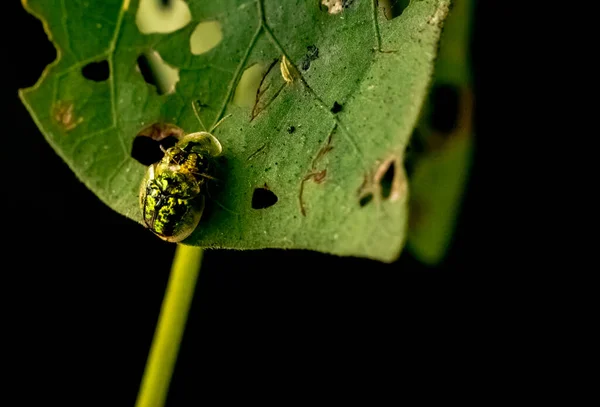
(160, 16)
(245, 92)
(147, 145)
(157, 72)
(335, 6)
(263, 198)
(96, 71)
(445, 100)
(387, 180)
(148, 151)
(393, 8)
(364, 200)
(206, 36)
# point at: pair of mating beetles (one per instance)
(172, 193)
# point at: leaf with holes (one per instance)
(320, 100)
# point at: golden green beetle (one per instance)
(172, 193)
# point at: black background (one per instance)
(89, 282)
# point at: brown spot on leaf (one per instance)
(317, 176)
(264, 94)
(63, 113)
(387, 183)
(439, 15)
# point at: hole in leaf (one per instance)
(146, 146)
(263, 198)
(365, 200)
(335, 6)
(157, 72)
(387, 180)
(445, 108)
(96, 71)
(393, 8)
(147, 151)
(245, 92)
(205, 37)
(162, 16)
(336, 108)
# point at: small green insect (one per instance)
(172, 193)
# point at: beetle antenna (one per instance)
(195, 108)
(206, 176)
(219, 203)
(219, 122)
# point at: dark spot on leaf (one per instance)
(291, 129)
(387, 179)
(347, 3)
(312, 53)
(96, 71)
(166, 3)
(336, 108)
(365, 200)
(445, 108)
(393, 8)
(263, 198)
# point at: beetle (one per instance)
(172, 192)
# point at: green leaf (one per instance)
(337, 132)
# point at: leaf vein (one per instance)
(238, 71)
